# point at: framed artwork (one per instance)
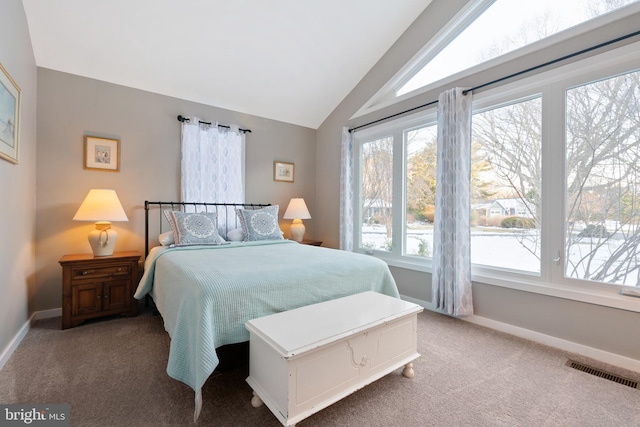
(282, 171)
(101, 154)
(9, 117)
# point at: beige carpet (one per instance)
(112, 373)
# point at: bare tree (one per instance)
(377, 180)
(510, 137)
(603, 172)
(603, 182)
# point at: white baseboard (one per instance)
(423, 303)
(559, 343)
(17, 339)
(540, 338)
(47, 314)
(14, 343)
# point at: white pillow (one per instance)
(166, 238)
(235, 235)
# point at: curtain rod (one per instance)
(466, 91)
(181, 118)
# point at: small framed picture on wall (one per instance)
(9, 117)
(101, 154)
(282, 171)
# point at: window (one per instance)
(389, 225)
(555, 172)
(555, 179)
(420, 149)
(602, 189)
(506, 186)
(376, 194)
(500, 27)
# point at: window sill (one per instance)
(607, 296)
(603, 295)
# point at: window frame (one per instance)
(551, 86)
(394, 129)
(386, 96)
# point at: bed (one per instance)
(206, 292)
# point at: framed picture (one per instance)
(9, 117)
(282, 171)
(101, 154)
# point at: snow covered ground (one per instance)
(496, 247)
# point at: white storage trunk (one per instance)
(303, 360)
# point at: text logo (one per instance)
(35, 415)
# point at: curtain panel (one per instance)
(346, 191)
(212, 165)
(451, 274)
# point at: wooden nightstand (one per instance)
(98, 286)
(312, 242)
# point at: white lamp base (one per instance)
(103, 239)
(297, 230)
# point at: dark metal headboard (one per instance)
(227, 209)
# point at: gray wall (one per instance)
(17, 182)
(70, 107)
(607, 329)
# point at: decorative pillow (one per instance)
(235, 235)
(260, 224)
(166, 238)
(194, 228)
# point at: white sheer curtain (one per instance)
(346, 191)
(451, 275)
(212, 166)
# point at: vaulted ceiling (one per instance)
(286, 60)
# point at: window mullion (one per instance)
(552, 230)
(398, 208)
(357, 199)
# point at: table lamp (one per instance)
(103, 207)
(297, 211)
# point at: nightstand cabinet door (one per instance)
(116, 295)
(98, 286)
(85, 299)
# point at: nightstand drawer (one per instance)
(99, 272)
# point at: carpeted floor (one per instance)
(112, 373)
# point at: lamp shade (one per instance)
(297, 209)
(101, 205)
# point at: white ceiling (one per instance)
(287, 60)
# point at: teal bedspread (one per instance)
(205, 294)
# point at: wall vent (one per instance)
(602, 374)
